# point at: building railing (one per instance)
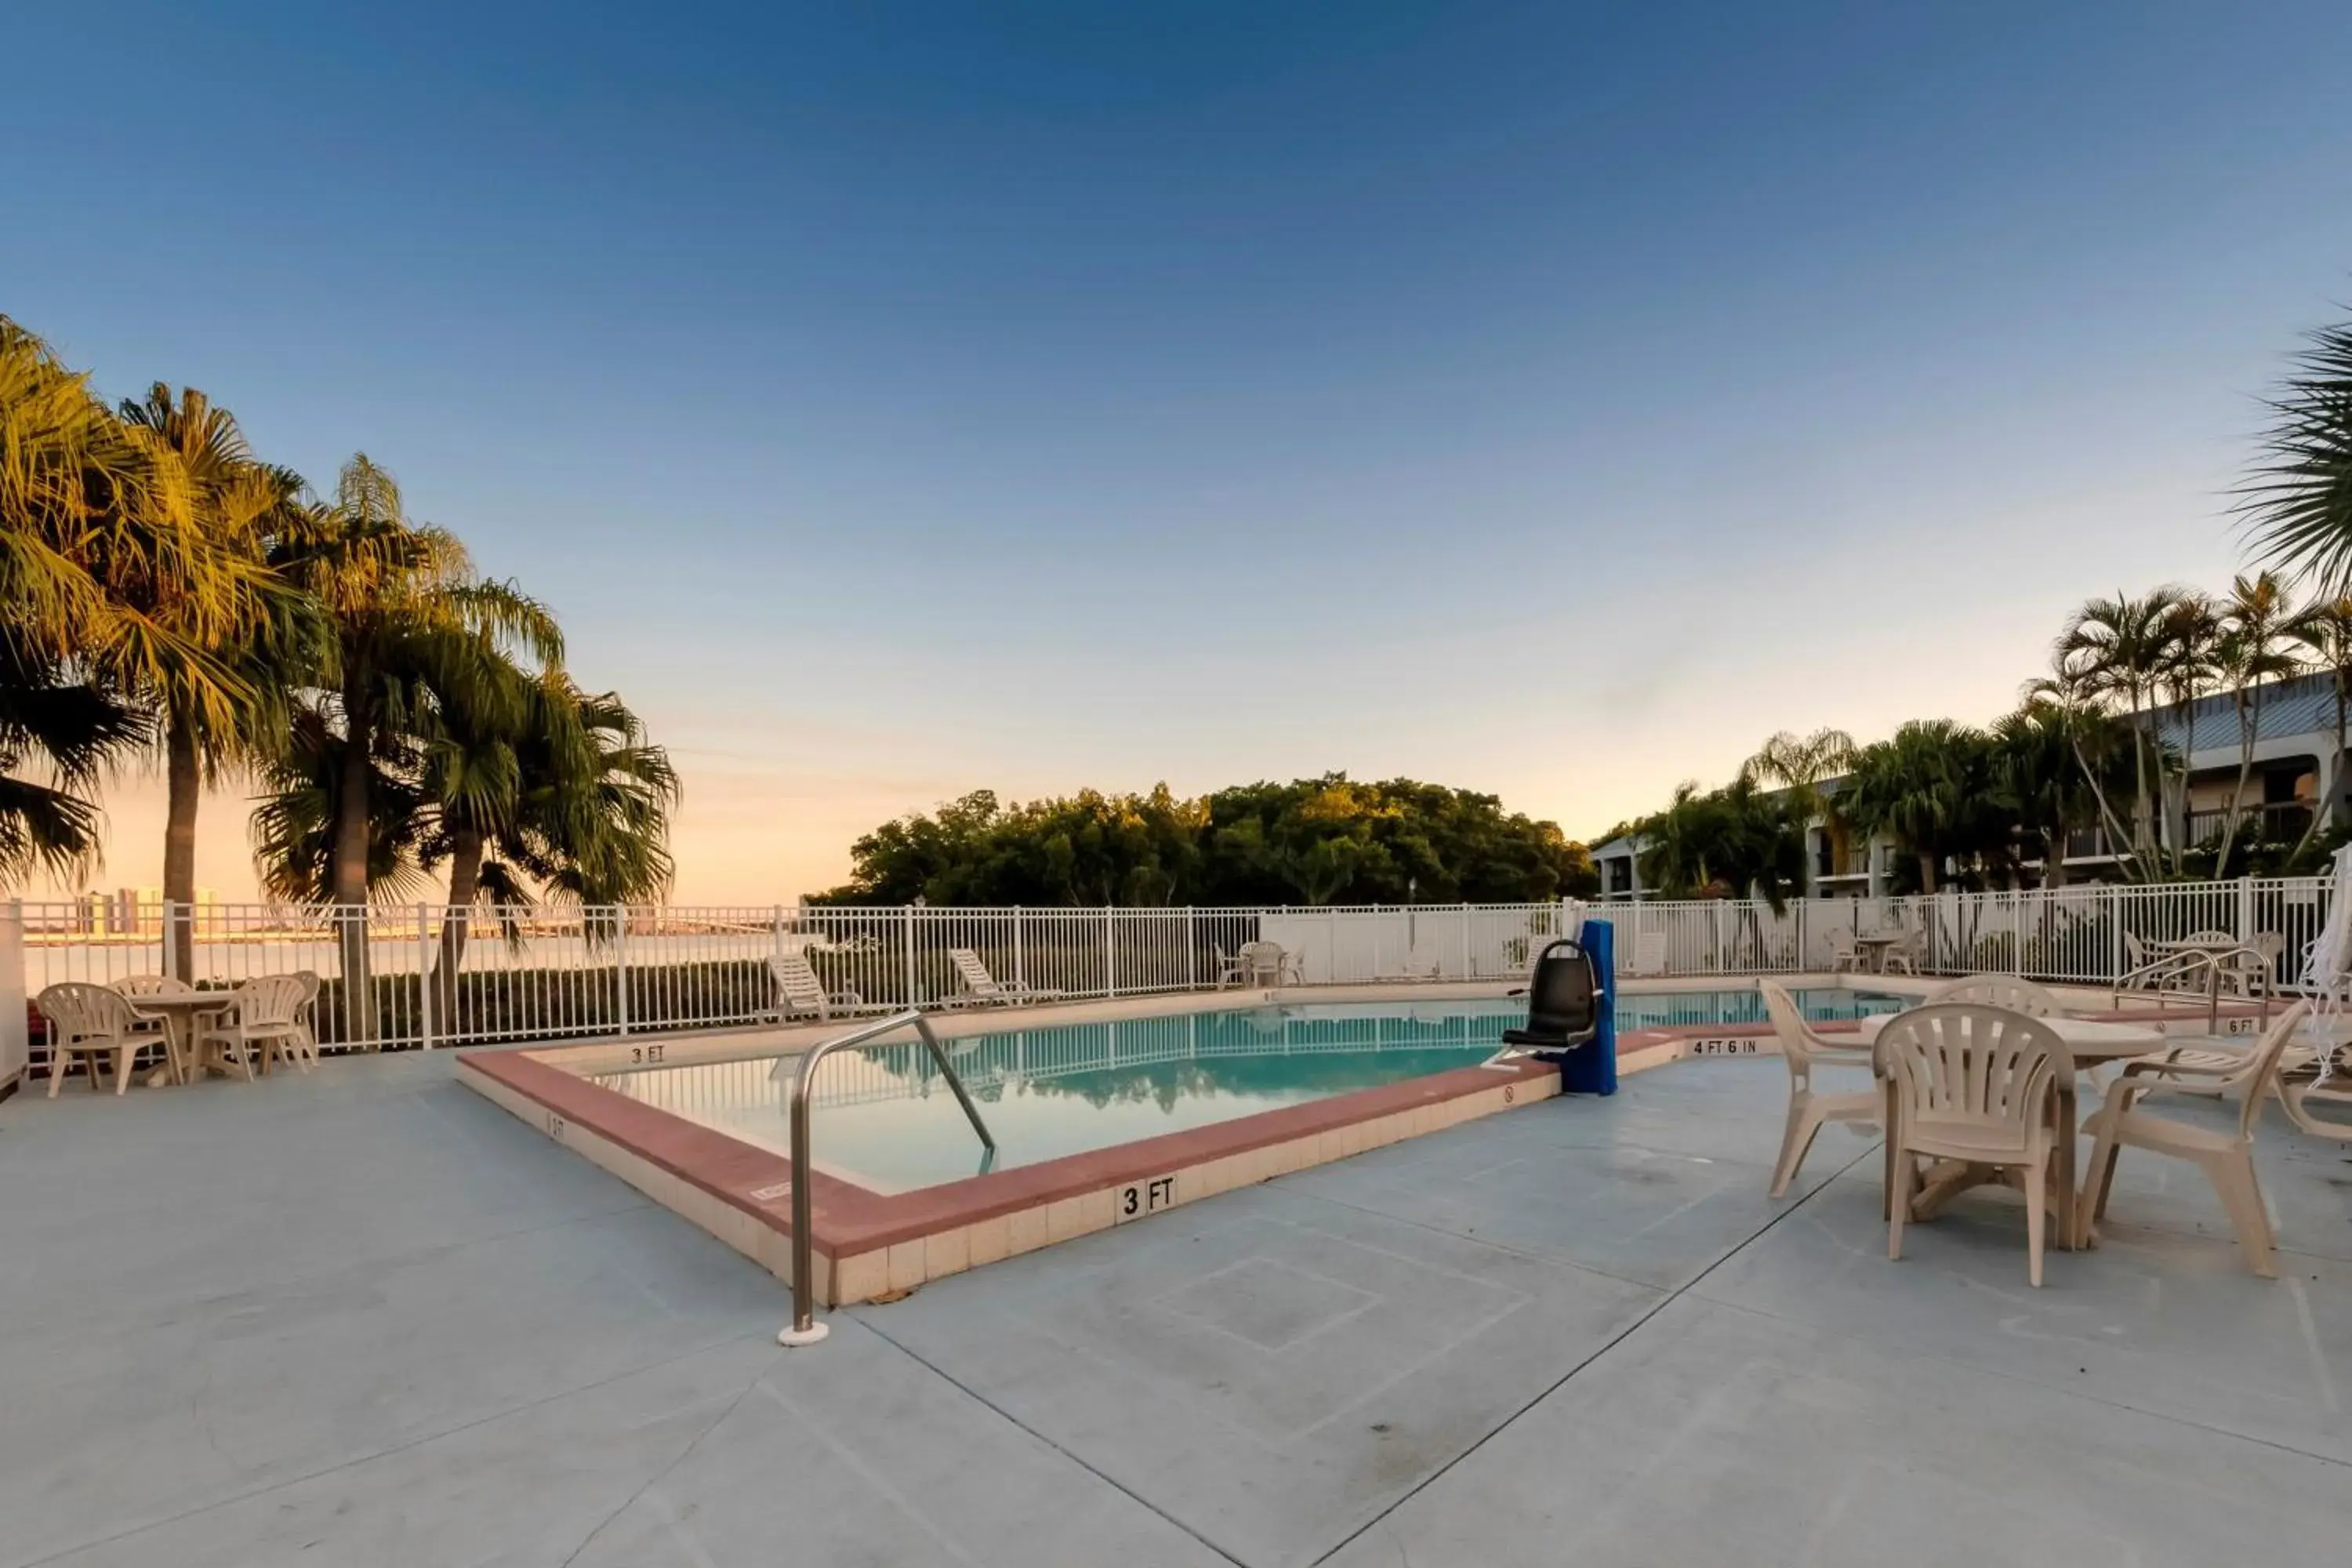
(409, 976)
(2272, 822)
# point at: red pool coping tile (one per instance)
(849, 1219)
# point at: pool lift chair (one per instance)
(1564, 1007)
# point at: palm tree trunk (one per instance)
(347, 885)
(464, 887)
(183, 786)
(2324, 811)
(2238, 794)
(2188, 763)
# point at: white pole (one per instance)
(621, 962)
(425, 978)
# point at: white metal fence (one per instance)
(422, 975)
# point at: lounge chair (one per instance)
(2226, 1158)
(799, 991)
(1808, 1111)
(983, 988)
(1974, 1084)
(1650, 952)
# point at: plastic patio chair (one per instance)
(91, 1019)
(2014, 991)
(2226, 1158)
(1843, 958)
(1974, 1084)
(261, 1021)
(1809, 1110)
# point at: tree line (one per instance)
(169, 598)
(1328, 840)
(2088, 745)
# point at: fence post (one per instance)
(2114, 900)
(1465, 940)
(425, 978)
(1110, 950)
(16, 1045)
(621, 962)
(2245, 931)
(1191, 948)
(1020, 969)
(912, 1000)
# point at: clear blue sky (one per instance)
(892, 400)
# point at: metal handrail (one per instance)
(806, 1330)
(2213, 962)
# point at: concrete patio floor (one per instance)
(365, 1318)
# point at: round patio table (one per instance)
(2093, 1043)
(181, 1013)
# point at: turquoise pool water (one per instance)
(886, 1120)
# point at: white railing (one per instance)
(423, 975)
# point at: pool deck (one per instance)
(366, 1317)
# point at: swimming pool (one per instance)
(887, 1123)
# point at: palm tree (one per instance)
(1799, 765)
(405, 614)
(2118, 649)
(2090, 736)
(2192, 635)
(222, 694)
(2253, 650)
(74, 488)
(532, 778)
(65, 730)
(1927, 789)
(2324, 630)
(2297, 502)
(2041, 776)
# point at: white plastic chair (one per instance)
(1804, 1050)
(260, 1023)
(2014, 991)
(1975, 1084)
(91, 1019)
(2226, 1158)
(1844, 959)
(158, 1029)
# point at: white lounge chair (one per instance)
(800, 993)
(981, 987)
(1650, 952)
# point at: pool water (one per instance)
(884, 1119)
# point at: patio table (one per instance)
(2093, 1043)
(181, 1013)
(1876, 948)
(2197, 945)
